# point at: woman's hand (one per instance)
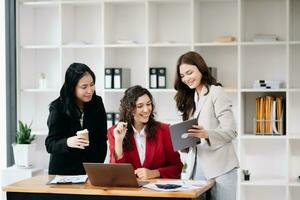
(77, 142)
(144, 173)
(198, 131)
(120, 131)
(119, 134)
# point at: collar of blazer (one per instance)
(199, 101)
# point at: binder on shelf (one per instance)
(274, 121)
(117, 78)
(261, 115)
(213, 71)
(280, 114)
(269, 105)
(110, 118)
(121, 78)
(257, 127)
(270, 119)
(158, 78)
(153, 78)
(116, 118)
(108, 78)
(161, 75)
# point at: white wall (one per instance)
(2, 88)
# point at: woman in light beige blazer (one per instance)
(200, 96)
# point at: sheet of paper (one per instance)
(68, 179)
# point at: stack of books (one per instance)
(269, 115)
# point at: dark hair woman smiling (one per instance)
(141, 140)
(77, 108)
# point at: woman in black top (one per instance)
(77, 108)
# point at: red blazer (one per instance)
(159, 153)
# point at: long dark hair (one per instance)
(127, 107)
(67, 92)
(185, 96)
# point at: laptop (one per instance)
(112, 175)
(179, 137)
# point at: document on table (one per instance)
(77, 179)
(172, 186)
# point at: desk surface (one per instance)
(38, 185)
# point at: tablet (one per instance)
(179, 137)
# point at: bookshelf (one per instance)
(140, 34)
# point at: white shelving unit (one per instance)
(139, 34)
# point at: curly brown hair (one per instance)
(127, 107)
(185, 96)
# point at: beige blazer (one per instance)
(217, 155)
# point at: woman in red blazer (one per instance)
(140, 140)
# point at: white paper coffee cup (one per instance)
(83, 134)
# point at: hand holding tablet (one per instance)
(180, 136)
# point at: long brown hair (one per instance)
(185, 96)
(127, 107)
